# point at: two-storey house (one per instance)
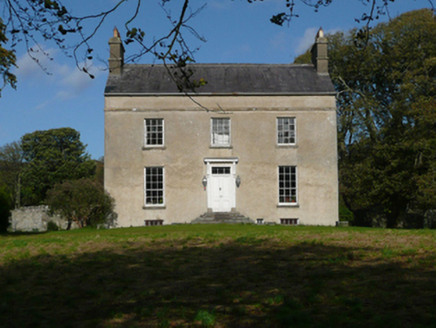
(258, 140)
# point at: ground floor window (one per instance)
(153, 222)
(154, 186)
(287, 185)
(289, 221)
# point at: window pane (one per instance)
(153, 132)
(220, 170)
(286, 130)
(287, 184)
(220, 131)
(154, 187)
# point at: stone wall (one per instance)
(36, 218)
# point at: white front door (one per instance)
(221, 188)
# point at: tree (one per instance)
(52, 156)
(387, 116)
(33, 21)
(5, 207)
(7, 60)
(82, 201)
(99, 170)
(11, 167)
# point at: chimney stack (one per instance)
(319, 53)
(116, 56)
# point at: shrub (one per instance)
(344, 213)
(51, 226)
(83, 201)
(5, 209)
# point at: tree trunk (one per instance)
(392, 219)
(18, 192)
(79, 222)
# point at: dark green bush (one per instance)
(5, 209)
(51, 226)
(344, 213)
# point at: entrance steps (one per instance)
(222, 217)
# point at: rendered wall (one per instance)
(253, 142)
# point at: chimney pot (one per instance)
(116, 33)
(319, 53)
(320, 33)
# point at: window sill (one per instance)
(154, 148)
(287, 146)
(289, 205)
(221, 147)
(154, 207)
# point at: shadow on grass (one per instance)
(231, 285)
(21, 233)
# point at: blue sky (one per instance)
(236, 32)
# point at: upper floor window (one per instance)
(288, 185)
(286, 130)
(220, 132)
(154, 132)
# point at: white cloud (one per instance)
(62, 95)
(309, 38)
(32, 64)
(334, 30)
(44, 104)
(71, 83)
(306, 41)
(66, 81)
(76, 80)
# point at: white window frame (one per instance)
(146, 191)
(146, 144)
(289, 196)
(215, 143)
(293, 122)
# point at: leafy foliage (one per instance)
(83, 201)
(387, 116)
(305, 58)
(7, 60)
(52, 156)
(387, 121)
(51, 226)
(5, 207)
(11, 167)
(344, 213)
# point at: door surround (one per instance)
(221, 183)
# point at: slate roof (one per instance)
(223, 79)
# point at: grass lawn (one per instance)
(219, 276)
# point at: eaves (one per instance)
(239, 94)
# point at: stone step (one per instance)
(222, 217)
